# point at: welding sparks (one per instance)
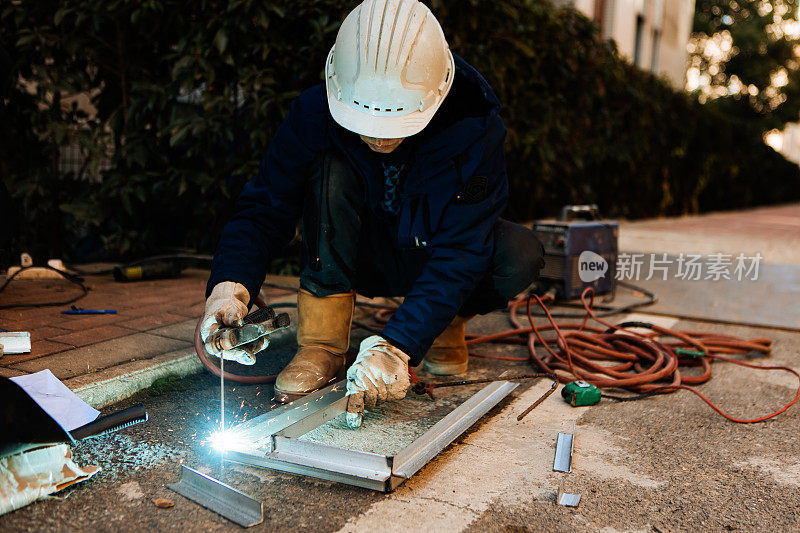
(225, 440)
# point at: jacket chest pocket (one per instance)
(413, 229)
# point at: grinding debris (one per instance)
(119, 454)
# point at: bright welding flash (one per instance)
(223, 440)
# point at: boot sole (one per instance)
(289, 396)
(445, 369)
(285, 396)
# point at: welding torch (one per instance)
(260, 323)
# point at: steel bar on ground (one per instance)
(563, 458)
(236, 506)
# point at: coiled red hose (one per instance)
(614, 357)
(623, 358)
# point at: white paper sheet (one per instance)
(57, 400)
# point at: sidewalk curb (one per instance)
(123, 381)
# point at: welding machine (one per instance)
(580, 251)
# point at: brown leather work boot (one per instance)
(448, 355)
(323, 333)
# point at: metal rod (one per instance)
(542, 398)
(221, 393)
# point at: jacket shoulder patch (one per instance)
(474, 191)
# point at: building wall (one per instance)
(652, 34)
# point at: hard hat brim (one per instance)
(379, 124)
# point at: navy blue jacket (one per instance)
(454, 190)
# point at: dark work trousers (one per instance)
(347, 247)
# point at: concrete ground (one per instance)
(773, 231)
(667, 463)
(661, 464)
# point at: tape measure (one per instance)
(580, 393)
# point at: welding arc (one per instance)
(620, 357)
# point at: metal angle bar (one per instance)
(313, 420)
(267, 461)
(429, 444)
(565, 498)
(563, 458)
(332, 458)
(261, 428)
(212, 494)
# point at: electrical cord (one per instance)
(620, 357)
(615, 356)
(77, 280)
(610, 310)
(138, 262)
(67, 276)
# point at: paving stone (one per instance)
(193, 310)
(83, 322)
(93, 335)
(102, 355)
(10, 325)
(182, 330)
(39, 348)
(32, 322)
(10, 372)
(47, 332)
(154, 321)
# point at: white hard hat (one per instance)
(389, 70)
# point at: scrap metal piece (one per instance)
(563, 459)
(565, 498)
(15, 342)
(363, 469)
(224, 500)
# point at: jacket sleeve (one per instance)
(460, 253)
(270, 204)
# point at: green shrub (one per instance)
(188, 94)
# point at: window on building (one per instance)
(638, 43)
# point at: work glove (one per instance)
(226, 306)
(379, 374)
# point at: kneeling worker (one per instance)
(396, 166)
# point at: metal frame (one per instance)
(271, 440)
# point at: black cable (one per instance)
(69, 277)
(142, 261)
(651, 299)
(628, 398)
